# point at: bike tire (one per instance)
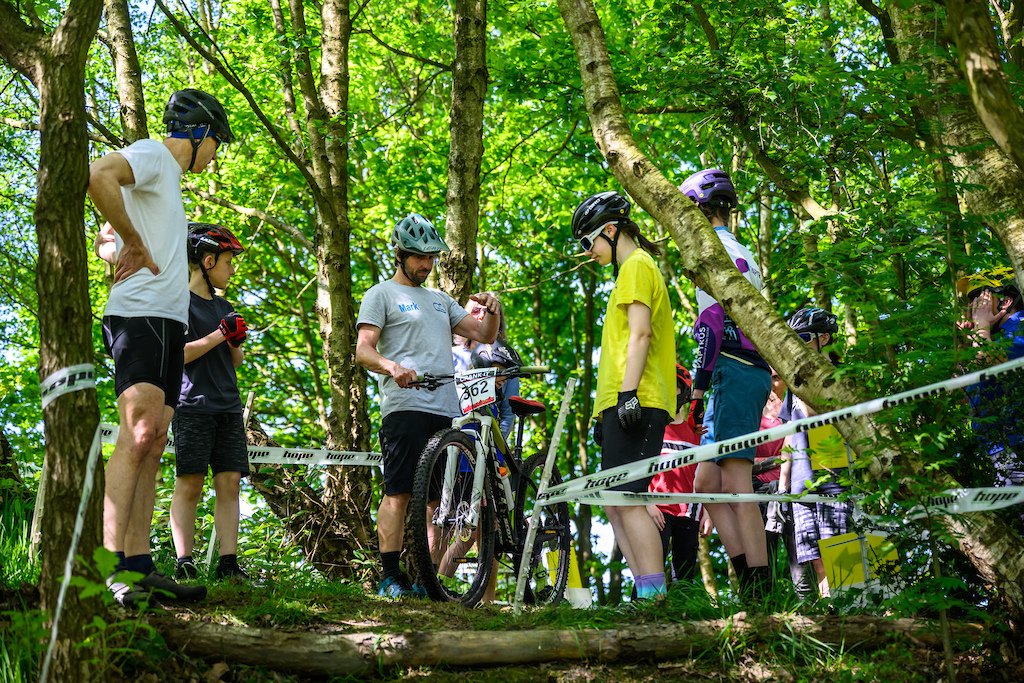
(469, 563)
(554, 535)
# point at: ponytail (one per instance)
(633, 230)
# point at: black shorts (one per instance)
(403, 435)
(620, 448)
(209, 440)
(149, 350)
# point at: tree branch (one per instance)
(403, 53)
(289, 230)
(979, 58)
(235, 82)
(21, 45)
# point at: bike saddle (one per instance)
(524, 406)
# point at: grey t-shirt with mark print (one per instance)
(416, 326)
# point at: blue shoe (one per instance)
(395, 587)
(419, 591)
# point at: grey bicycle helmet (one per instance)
(598, 209)
(811, 319)
(416, 234)
(710, 186)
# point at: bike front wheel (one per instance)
(453, 534)
(549, 561)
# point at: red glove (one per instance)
(234, 329)
(696, 417)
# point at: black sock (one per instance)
(183, 559)
(389, 563)
(228, 561)
(142, 564)
(739, 563)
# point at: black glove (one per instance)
(234, 329)
(598, 433)
(628, 410)
(696, 418)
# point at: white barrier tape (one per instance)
(951, 502)
(275, 455)
(572, 490)
(66, 380)
(76, 537)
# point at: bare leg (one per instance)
(634, 525)
(708, 479)
(749, 525)
(187, 490)
(130, 489)
(226, 510)
(391, 521)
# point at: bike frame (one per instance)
(487, 438)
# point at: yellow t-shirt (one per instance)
(639, 281)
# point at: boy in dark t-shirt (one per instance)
(208, 429)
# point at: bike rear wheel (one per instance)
(549, 564)
(452, 551)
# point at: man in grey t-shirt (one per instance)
(406, 330)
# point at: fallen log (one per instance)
(369, 652)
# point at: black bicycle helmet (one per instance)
(498, 353)
(597, 210)
(210, 238)
(191, 108)
(811, 319)
(711, 186)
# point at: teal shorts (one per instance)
(741, 390)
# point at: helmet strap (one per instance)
(614, 242)
(202, 267)
(196, 144)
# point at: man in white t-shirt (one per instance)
(138, 191)
(406, 330)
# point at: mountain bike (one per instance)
(473, 497)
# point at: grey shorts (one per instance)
(741, 390)
(214, 441)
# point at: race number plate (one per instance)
(476, 388)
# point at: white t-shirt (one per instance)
(416, 326)
(155, 208)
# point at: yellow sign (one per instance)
(828, 450)
(844, 563)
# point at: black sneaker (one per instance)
(186, 571)
(127, 594)
(167, 590)
(231, 572)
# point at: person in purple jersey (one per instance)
(741, 379)
(138, 191)
(208, 428)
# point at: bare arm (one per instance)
(104, 245)
(368, 357)
(486, 330)
(106, 177)
(200, 347)
(639, 319)
(786, 471)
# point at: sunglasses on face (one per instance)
(808, 336)
(587, 241)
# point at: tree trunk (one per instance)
(127, 70)
(369, 653)
(342, 512)
(704, 260)
(469, 89)
(56, 65)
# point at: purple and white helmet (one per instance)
(704, 186)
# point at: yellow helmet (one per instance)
(995, 279)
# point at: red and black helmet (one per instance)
(210, 238)
(684, 382)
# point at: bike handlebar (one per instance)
(432, 382)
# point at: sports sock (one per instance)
(389, 563)
(184, 558)
(228, 561)
(649, 585)
(120, 560)
(142, 564)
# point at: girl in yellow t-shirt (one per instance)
(636, 375)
